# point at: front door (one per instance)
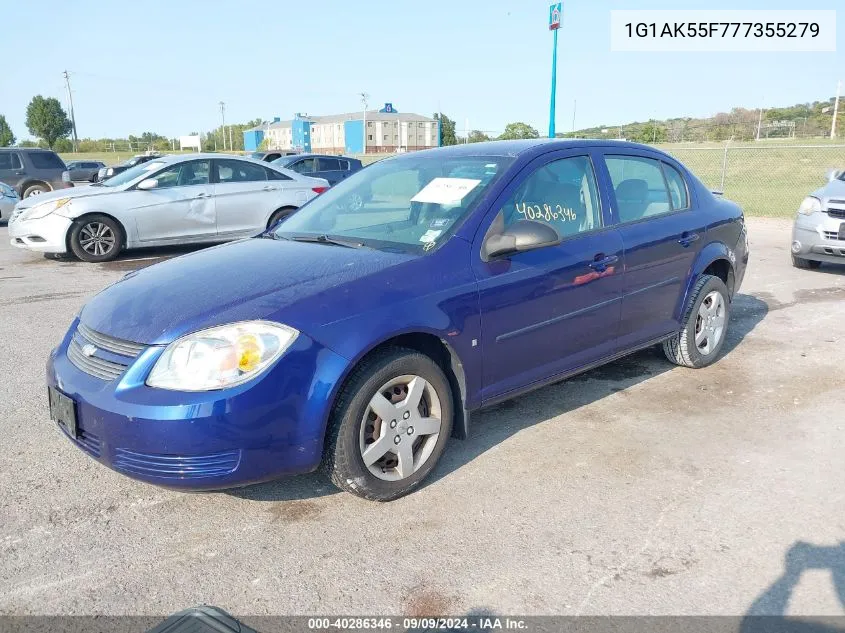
(179, 208)
(555, 309)
(662, 232)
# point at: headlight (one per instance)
(809, 206)
(109, 171)
(221, 357)
(44, 209)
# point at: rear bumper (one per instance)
(255, 432)
(816, 237)
(45, 235)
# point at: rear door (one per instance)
(662, 232)
(180, 208)
(245, 196)
(11, 170)
(328, 168)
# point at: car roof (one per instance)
(309, 155)
(522, 146)
(177, 158)
(26, 149)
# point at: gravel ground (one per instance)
(637, 488)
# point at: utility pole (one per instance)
(223, 127)
(364, 100)
(574, 110)
(72, 117)
(835, 110)
(759, 122)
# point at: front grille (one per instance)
(98, 367)
(836, 213)
(87, 441)
(832, 235)
(109, 343)
(176, 466)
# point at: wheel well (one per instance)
(441, 353)
(285, 208)
(722, 269)
(109, 216)
(29, 183)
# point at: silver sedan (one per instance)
(188, 199)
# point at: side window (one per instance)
(328, 164)
(46, 160)
(304, 166)
(677, 187)
(9, 160)
(562, 194)
(239, 171)
(639, 186)
(194, 172)
(272, 174)
(344, 164)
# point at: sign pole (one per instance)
(555, 14)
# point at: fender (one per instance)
(709, 254)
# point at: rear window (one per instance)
(46, 160)
(328, 164)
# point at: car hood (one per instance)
(300, 284)
(833, 189)
(75, 192)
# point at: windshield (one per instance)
(413, 203)
(284, 161)
(131, 174)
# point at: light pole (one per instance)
(223, 127)
(364, 100)
(555, 15)
(835, 110)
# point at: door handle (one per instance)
(687, 238)
(203, 195)
(600, 262)
(269, 188)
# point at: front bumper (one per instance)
(816, 237)
(45, 235)
(261, 430)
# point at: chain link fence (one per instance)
(765, 181)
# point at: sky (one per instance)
(163, 66)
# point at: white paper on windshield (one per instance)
(430, 236)
(446, 190)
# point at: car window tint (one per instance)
(562, 194)
(46, 160)
(639, 186)
(328, 164)
(304, 166)
(184, 174)
(239, 171)
(9, 160)
(272, 174)
(677, 187)
(344, 164)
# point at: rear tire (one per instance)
(805, 264)
(376, 412)
(705, 325)
(96, 238)
(280, 215)
(35, 189)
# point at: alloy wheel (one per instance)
(97, 238)
(710, 322)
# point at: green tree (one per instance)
(63, 146)
(477, 136)
(651, 132)
(6, 136)
(46, 119)
(447, 129)
(518, 130)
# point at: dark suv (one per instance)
(32, 171)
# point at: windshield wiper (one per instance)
(325, 239)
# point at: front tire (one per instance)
(96, 238)
(389, 426)
(806, 264)
(705, 325)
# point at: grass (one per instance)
(769, 178)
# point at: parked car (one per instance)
(271, 155)
(107, 172)
(332, 168)
(32, 171)
(84, 170)
(197, 198)
(361, 340)
(818, 233)
(8, 199)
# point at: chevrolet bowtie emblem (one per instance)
(89, 350)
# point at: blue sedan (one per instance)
(363, 332)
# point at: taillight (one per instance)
(319, 189)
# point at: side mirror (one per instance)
(521, 236)
(146, 185)
(833, 174)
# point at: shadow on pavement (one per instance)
(490, 429)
